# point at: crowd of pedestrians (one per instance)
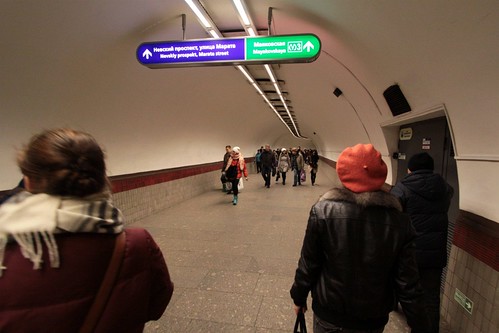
(269, 163)
(276, 163)
(412, 254)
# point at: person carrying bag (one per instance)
(300, 323)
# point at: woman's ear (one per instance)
(27, 184)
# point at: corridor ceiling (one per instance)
(73, 63)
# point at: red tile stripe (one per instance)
(479, 237)
(134, 181)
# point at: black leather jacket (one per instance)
(357, 253)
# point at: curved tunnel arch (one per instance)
(73, 64)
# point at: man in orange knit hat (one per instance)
(358, 253)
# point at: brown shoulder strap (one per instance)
(106, 286)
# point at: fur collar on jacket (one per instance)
(364, 199)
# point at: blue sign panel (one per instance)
(192, 52)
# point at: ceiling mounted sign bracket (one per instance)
(269, 19)
(183, 26)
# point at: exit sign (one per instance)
(230, 51)
(464, 301)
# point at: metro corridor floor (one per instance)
(233, 266)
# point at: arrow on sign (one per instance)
(147, 54)
(308, 46)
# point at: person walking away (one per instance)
(277, 155)
(283, 165)
(297, 165)
(358, 253)
(275, 161)
(258, 161)
(223, 179)
(267, 160)
(426, 197)
(236, 168)
(314, 166)
(57, 239)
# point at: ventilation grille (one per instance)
(396, 100)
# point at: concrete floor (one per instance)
(233, 266)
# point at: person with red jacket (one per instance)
(56, 243)
(235, 170)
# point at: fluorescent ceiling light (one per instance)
(241, 9)
(245, 18)
(194, 6)
(257, 87)
(245, 72)
(214, 34)
(251, 32)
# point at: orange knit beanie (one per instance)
(361, 168)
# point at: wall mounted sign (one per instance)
(405, 134)
(464, 301)
(426, 144)
(230, 51)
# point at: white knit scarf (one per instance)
(236, 156)
(33, 219)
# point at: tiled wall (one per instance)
(472, 273)
(142, 202)
(479, 283)
(139, 196)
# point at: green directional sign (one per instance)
(464, 301)
(287, 47)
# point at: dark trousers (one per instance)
(430, 281)
(312, 176)
(235, 182)
(321, 326)
(266, 174)
(297, 178)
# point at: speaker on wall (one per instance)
(337, 92)
(396, 100)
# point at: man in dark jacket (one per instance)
(223, 179)
(267, 161)
(426, 197)
(358, 252)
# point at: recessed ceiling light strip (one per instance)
(279, 92)
(204, 18)
(245, 18)
(249, 27)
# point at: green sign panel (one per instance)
(464, 301)
(304, 48)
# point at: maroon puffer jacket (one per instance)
(56, 300)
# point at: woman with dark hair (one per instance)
(59, 240)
